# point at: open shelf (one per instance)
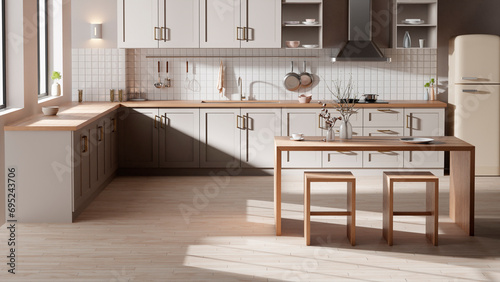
(293, 10)
(425, 10)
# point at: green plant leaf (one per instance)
(56, 75)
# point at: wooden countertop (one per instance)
(73, 116)
(276, 104)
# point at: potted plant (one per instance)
(430, 95)
(56, 87)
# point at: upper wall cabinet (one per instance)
(419, 19)
(240, 23)
(158, 23)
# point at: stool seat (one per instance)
(310, 177)
(432, 198)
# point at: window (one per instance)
(2, 56)
(42, 48)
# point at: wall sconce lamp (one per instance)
(96, 31)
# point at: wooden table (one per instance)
(462, 163)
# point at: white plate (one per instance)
(310, 45)
(300, 139)
(416, 140)
(413, 22)
(313, 23)
(291, 22)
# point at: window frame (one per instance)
(3, 103)
(42, 93)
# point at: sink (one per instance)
(245, 102)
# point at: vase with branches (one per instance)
(343, 92)
(329, 121)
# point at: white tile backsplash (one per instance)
(98, 70)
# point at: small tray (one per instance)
(416, 140)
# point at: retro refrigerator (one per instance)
(474, 96)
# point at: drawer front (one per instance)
(424, 159)
(384, 117)
(383, 131)
(349, 159)
(383, 159)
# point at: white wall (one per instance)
(22, 76)
(85, 12)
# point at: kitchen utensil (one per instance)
(416, 140)
(306, 79)
(158, 84)
(187, 81)
(50, 111)
(297, 135)
(167, 81)
(292, 44)
(370, 98)
(310, 23)
(291, 22)
(311, 20)
(291, 80)
(305, 98)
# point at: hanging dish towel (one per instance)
(220, 80)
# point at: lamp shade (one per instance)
(96, 31)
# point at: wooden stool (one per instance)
(431, 202)
(310, 177)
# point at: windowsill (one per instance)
(7, 111)
(44, 99)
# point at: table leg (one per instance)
(277, 191)
(462, 189)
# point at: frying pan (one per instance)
(291, 81)
(306, 79)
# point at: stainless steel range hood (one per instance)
(360, 46)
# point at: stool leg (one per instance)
(432, 205)
(351, 208)
(388, 197)
(307, 212)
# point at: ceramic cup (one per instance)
(297, 135)
(421, 43)
(310, 20)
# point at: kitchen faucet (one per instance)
(240, 86)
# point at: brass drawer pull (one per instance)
(385, 110)
(384, 131)
(85, 144)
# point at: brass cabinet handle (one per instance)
(384, 130)
(319, 122)
(469, 90)
(238, 33)
(407, 121)
(384, 110)
(85, 144)
(155, 121)
(245, 34)
(114, 124)
(101, 133)
(155, 32)
(163, 34)
(161, 121)
(245, 123)
(238, 121)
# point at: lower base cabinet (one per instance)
(153, 138)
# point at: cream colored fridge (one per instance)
(474, 96)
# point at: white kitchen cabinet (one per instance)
(427, 11)
(81, 176)
(306, 121)
(179, 135)
(257, 137)
(111, 144)
(158, 23)
(424, 122)
(383, 117)
(220, 137)
(240, 23)
(349, 159)
(383, 159)
(137, 23)
(59, 172)
(138, 134)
